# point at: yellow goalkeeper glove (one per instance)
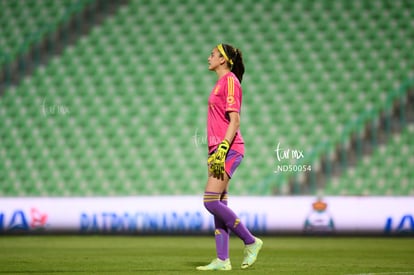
(217, 163)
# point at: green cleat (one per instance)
(216, 264)
(250, 253)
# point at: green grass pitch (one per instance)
(180, 255)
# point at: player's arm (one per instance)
(217, 160)
(233, 127)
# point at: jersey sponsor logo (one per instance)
(230, 100)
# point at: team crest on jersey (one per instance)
(217, 89)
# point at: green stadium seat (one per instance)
(137, 86)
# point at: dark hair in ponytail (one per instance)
(235, 55)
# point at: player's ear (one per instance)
(222, 60)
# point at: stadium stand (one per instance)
(26, 23)
(382, 173)
(122, 111)
(35, 31)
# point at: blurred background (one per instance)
(109, 98)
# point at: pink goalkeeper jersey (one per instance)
(225, 97)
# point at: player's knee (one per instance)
(211, 202)
(211, 206)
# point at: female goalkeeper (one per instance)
(223, 121)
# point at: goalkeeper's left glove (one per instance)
(218, 163)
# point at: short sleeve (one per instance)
(233, 95)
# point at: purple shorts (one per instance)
(233, 160)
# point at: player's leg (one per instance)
(217, 194)
(225, 219)
(222, 233)
(222, 213)
(214, 189)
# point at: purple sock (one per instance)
(227, 216)
(222, 233)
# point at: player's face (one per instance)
(215, 60)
